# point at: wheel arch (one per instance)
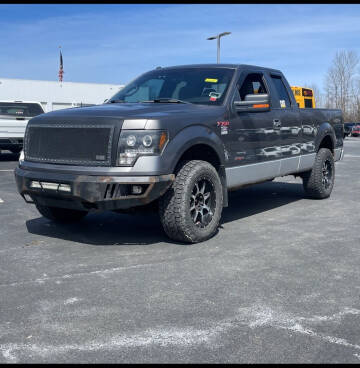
(200, 143)
(325, 137)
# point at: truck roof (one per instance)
(235, 66)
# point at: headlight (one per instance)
(21, 157)
(136, 143)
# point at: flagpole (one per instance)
(61, 69)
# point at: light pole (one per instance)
(218, 43)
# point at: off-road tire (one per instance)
(62, 215)
(313, 180)
(175, 205)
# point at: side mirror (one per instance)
(254, 103)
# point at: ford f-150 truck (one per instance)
(14, 116)
(178, 137)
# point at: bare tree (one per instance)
(355, 101)
(340, 83)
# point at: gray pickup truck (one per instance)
(178, 138)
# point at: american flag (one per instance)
(61, 70)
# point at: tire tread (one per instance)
(312, 180)
(172, 215)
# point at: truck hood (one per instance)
(123, 111)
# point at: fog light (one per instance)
(136, 189)
(27, 198)
(35, 184)
(65, 187)
(51, 186)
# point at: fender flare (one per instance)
(325, 129)
(190, 137)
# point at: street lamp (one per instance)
(218, 43)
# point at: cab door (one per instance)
(255, 139)
(287, 123)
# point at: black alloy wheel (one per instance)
(190, 210)
(202, 202)
(319, 181)
(327, 173)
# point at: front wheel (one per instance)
(190, 210)
(318, 182)
(63, 215)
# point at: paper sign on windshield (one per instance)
(211, 80)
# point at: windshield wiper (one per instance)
(116, 101)
(166, 100)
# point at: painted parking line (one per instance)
(1, 201)
(7, 170)
(357, 156)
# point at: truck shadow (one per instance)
(260, 198)
(108, 228)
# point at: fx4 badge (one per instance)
(224, 127)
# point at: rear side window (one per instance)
(21, 109)
(284, 99)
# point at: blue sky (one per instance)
(113, 43)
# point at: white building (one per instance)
(55, 95)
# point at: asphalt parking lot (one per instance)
(279, 283)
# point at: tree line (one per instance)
(341, 89)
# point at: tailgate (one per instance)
(12, 128)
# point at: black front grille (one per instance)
(69, 144)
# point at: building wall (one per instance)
(55, 95)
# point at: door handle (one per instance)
(277, 123)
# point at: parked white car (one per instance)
(14, 116)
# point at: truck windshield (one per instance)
(206, 86)
(20, 109)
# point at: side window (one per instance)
(284, 99)
(252, 84)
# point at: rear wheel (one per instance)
(63, 215)
(190, 210)
(318, 182)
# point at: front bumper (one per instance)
(90, 191)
